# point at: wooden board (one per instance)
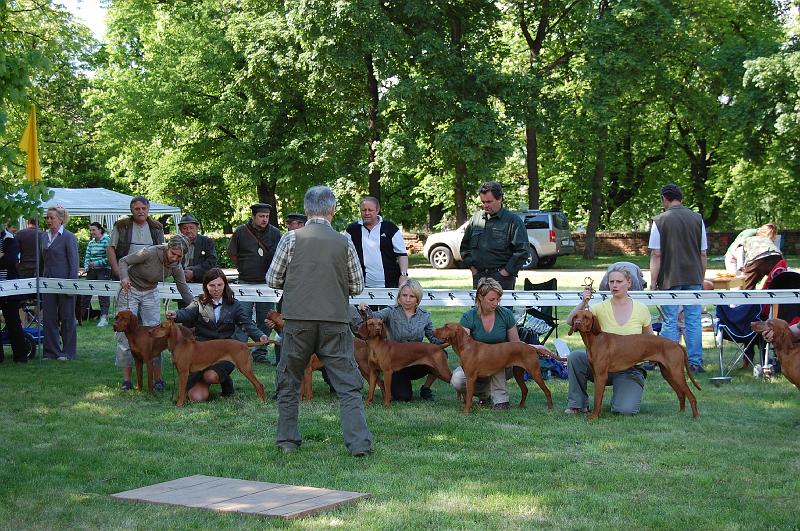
(727, 283)
(237, 495)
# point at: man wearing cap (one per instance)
(295, 221)
(251, 248)
(678, 248)
(201, 256)
(380, 247)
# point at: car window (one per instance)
(539, 221)
(560, 221)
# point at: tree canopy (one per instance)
(588, 106)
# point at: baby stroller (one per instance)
(31, 333)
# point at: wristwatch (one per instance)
(403, 273)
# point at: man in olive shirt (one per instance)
(251, 248)
(495, 243)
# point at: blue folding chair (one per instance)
(733, 324)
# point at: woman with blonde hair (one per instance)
(488, 322)
(621, 315)
(406, 322)
(60, 254)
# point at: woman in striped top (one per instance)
(96, 264)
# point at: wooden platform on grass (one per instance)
(237, 495)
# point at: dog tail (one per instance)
(554, 355)
(688, 368)
(259, 343)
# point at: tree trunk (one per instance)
(266, 194)
(459, 191)
(435, 215)
(597, 194)
(532, 163)
(372, 126)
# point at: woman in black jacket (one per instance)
(215, 315)
(10, 305)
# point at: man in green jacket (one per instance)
(495, 243)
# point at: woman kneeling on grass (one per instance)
(488, 322)
(139, 275)
(214, 315)
(406, 322)
(618, 315)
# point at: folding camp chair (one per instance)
(733, 325)
(548, 314)
(785, 280)
(778, 278)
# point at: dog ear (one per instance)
(173, 334)
(595, 325)
(384, 334)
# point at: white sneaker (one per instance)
(102, 322)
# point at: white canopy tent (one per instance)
(101, 205)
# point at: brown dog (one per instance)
(388, 356)
(144, 346)
(613, 353)
(314, 363)
(787, 350)
(189, 355)
(481, 360)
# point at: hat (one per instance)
(261, 207)
(296, 217)
(188, 218)
(672, 192)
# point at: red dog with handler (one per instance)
(617, 335)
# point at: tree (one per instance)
(44, 53)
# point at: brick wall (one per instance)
(635, 243)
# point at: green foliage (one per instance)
(215, 104)
(221, 245)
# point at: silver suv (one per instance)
(548, 234)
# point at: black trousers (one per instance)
(10, 308)
(505, 282)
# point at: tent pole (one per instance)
(39, 313)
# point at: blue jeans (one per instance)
(693, 332)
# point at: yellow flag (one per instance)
(30, 145)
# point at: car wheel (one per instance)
(532, 261)
(547, 263)
(441, 257)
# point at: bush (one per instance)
(221, 245)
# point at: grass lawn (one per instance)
(70, 438)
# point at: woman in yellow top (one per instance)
(618, 315)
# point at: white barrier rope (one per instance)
(430, 297)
